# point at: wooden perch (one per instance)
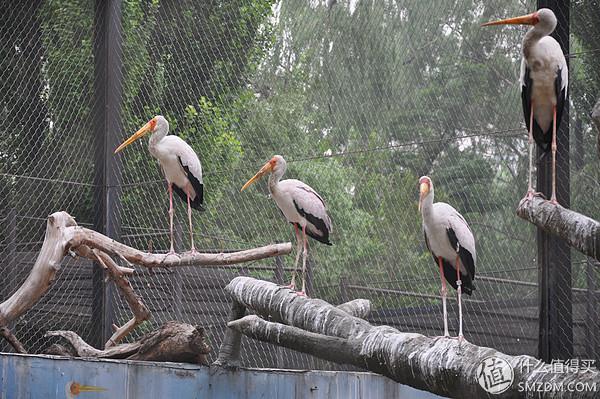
(63, 237)
(172, 342)
(439, 365)
(579, 231)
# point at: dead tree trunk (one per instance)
(579, 231)
(172, 342)
(438, 365)
(63, 237)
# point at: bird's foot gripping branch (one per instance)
(64, 237)
(340, 334)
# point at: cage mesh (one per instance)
(361, 98)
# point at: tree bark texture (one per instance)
(172, 342)
(439, 365)
(579, 231)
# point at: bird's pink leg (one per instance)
(459, 290)
(193, 250)
(304, 254)
(530, 186)
(298, 247)
(172, 250)
(553, 197)
(444, 292)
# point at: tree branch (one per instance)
(63, 236)
(172, 342)
(579, 231)
(439, 365)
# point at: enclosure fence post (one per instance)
(591, 320)
(106, 129)
(553, 255)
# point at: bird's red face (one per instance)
(267, 168)
(529, 19)
(424, 189)
(147, 128)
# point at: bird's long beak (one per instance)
(529, 19)
(76, 388)
(423, 191)
(140, 133)
(263, 171)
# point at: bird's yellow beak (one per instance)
(423, 191)
(76, 388)
(263, 171)
(148, 127)
(529, 19)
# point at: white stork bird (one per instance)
(544, 81)
(301, 206)
(451, 242)
(180, 165)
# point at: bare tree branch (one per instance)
(172, 342)
(579, 231)
(63, 236)
(439, 365)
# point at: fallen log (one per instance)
(438, 365)
(579, 231)
(172, 342)
(63, 236)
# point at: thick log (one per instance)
(439, 365)
(579, 231)
(172, 342)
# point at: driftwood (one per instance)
(172, 342)
(579, 231)
(439, 365)
(596, 119)
(64, 236)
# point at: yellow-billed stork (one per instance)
(180, 165)
(452, 245)
(544, 82)
(301, 206)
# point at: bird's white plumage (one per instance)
(286, 192)
(172, 152)
(436, 221)
(544, 58)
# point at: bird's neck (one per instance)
(427, 207)
(533, 36)
(157, 136)
(274, 179)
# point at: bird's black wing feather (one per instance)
(450, 271)
(466, 258)
(196, 203)
(318, 223)
(561, 97)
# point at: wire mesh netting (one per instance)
(361, 98)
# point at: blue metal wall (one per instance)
(46, 377)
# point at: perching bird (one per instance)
(544, 81)
(301, 206)
(451, 242)
(180, 165)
